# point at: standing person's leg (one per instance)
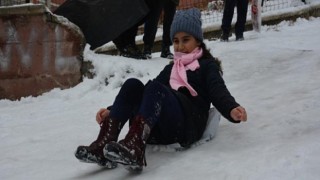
(242, 9)
(169, 12)
(151, 26)
(127, 43)
(227, 18)
(118, 41)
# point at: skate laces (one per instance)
(109, 132)
(135, 141)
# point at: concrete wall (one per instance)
(38, 51)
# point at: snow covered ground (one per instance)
(275, 75)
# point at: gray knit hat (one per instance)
(188, 21)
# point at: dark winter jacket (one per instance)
(211, 88)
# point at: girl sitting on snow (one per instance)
(172, 108)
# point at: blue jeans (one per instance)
(156, 103)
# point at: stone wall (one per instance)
(38, 51)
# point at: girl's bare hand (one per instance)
(238, 114)
(102, 114)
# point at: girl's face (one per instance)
(184, 42)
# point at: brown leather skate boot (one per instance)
(109, 131)
(131, 150)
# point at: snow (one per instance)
(275, 75)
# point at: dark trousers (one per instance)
(151, 24)
(156, 103)
(169, 10)
(128, 37)
(242, 9)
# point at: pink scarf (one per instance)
(182, 63)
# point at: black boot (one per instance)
(239, 37)
(109, 131)
(224, 37)
(147, 50)
(131, 51)
(131, 150)
(165, 53)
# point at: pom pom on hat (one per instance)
(188, 21)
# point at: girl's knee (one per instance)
(155, 86)
(133, 82)
(133, 87)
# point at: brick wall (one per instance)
(201, 4)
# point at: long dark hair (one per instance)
(207, 55)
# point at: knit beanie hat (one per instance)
(188, 21)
